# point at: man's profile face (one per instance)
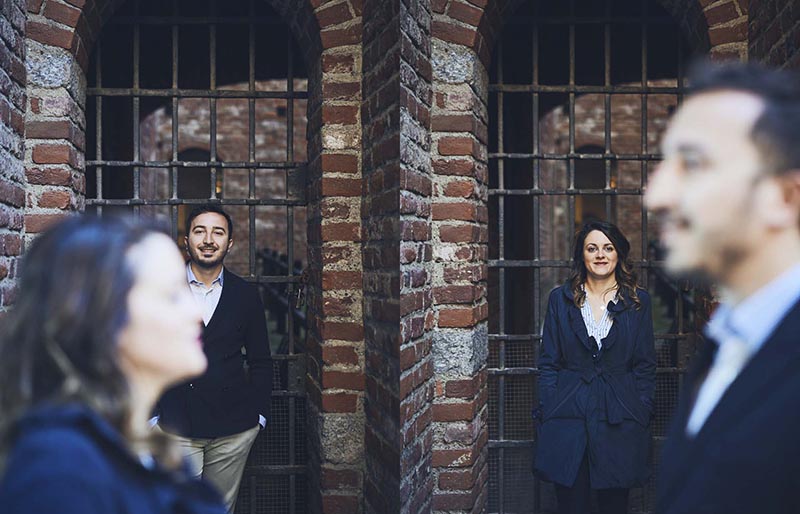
(208, 240)
(706, 191)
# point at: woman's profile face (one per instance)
(599, 255)
(161, 343)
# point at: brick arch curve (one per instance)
(464, 32)
(59, 39)
(714, 27)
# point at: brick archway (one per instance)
(464, 32)
(60, 37)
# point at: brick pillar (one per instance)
(397, 255)
(774, 32)
(55, 120)
(459, 138)
(12, 128)
(335, 353)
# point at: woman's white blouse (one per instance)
(597, 329)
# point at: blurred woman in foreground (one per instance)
(103, 324)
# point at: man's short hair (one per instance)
(208, 207)
(776, 132)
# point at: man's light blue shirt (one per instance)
(755, 318)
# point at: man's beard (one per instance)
(196, 259)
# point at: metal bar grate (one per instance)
(574, 122)
(183, 109)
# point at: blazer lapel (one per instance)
(679, 454)
(221, 305)
(750, 386)
(754, 380)
(578, 326)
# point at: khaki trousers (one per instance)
(220, 460)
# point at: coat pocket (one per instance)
(563, 395)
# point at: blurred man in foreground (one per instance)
(728, 198)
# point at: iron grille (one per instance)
(579, 94)
(191, 101)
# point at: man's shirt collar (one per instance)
(755, 318)
(192, 279)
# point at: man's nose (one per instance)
(662, 188)
(207, 237)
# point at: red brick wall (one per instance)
(462, 34)
(380, 116)
(774, 32)
(335, 357)
(12, 147)
(415, 251)
(397, 302)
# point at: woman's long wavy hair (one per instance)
(58, 343)
(626, 277)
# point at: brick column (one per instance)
(460, 346)
(12, 128)
(335, 353)
(397, 255)
(774, 32)
(55, 122)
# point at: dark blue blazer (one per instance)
(66, 459)
(746, 457)
(595, 401)
(226, 400)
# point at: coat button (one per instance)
(191, 385)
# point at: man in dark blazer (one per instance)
(728, 194)
(217, 416)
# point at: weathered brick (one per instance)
(731, 34)
(343, 380)
(332, 280)
(333, 355)
(58, 199)
(334, 15)
(62, 13)
(341, 187)
(35, 223)
(722, 13)
(455, 294)
(339, 163)
(49, 176)
(339, 478)
(465, 12)
(49, 34)
(340, 114)
(454, 211)
(453, 33)
(332, 38)
(339, 402)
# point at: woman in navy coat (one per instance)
(596, 377)
(104, 323)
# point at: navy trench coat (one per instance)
(595, 402)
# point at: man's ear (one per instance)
(783, 209)
(230, 244)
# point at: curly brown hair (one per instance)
(626, 277)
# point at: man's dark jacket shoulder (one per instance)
(746, 457)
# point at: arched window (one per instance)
(580, 92)
(181, 94)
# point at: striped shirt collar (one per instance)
(192, 279)
(756, 317)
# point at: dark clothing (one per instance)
(225, 400)
(595, 402)
(746, 457)
(67, 460)
(577, 499)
